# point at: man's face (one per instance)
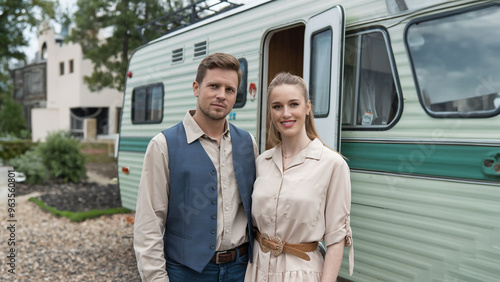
(216, 93)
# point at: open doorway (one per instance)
(284, 52)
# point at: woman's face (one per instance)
(289, 110)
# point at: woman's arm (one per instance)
(333, 259)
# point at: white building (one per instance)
(70, 104)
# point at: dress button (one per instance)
(214, 187)
(214, 216)
(213, 231)
(213, 172)
(212, 247)
(214, 202)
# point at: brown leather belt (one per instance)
(276, 246)
(229, 255)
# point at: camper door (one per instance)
(313, 51)
(323, 64)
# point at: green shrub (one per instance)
(32, 166)
(10, 149)
(61, 154)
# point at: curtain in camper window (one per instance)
(371, 98)
(319, 88)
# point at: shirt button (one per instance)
(213, 231)
(214, 216)
(225, 186)
(227, 208)
(222, 164)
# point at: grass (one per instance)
(79, 216)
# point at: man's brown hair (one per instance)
(218, 60)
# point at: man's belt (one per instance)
(276, 246)
(229, 255)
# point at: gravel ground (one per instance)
(50, 248)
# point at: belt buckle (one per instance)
(275, 252)
(220, 253)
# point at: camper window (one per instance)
(241, 97)
(321, 57)
(371, 97)
(454, 62)
(147, 104)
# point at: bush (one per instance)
(32, 166)
(14, 148)
(61, 154)
(11, 116)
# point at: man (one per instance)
(193, 220)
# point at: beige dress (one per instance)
(309, 201)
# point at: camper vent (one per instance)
(178, 55)
(200, 49)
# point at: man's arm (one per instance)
(151, 212)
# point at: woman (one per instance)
(302, 194)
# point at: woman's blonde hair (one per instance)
(285, 78)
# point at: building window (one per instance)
(61, 68)
(70, 66)
(44, 51)
(453, 62)
(241, 97)
(372, 97)
(147, 103)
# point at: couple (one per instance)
(207, 210)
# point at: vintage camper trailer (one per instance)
(408, 91)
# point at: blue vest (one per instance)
(191, 225)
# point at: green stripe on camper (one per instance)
(134, 144)
(451, 161)
(454, 161)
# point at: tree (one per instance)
(16, 16)
(110, 55)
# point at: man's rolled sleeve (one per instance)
(151, 212)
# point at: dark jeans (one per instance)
(225, 272)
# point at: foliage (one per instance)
(78, 216)
(11, 117)
(32, 166)
(62, 156)
(16, 17)
(110, 55)
(10, 149)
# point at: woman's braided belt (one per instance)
(276, 246)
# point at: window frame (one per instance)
(412, 65)
(311, 71)
(153, 85)
(395, 76)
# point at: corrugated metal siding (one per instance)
(411, 229)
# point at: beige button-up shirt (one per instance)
(153, 195)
